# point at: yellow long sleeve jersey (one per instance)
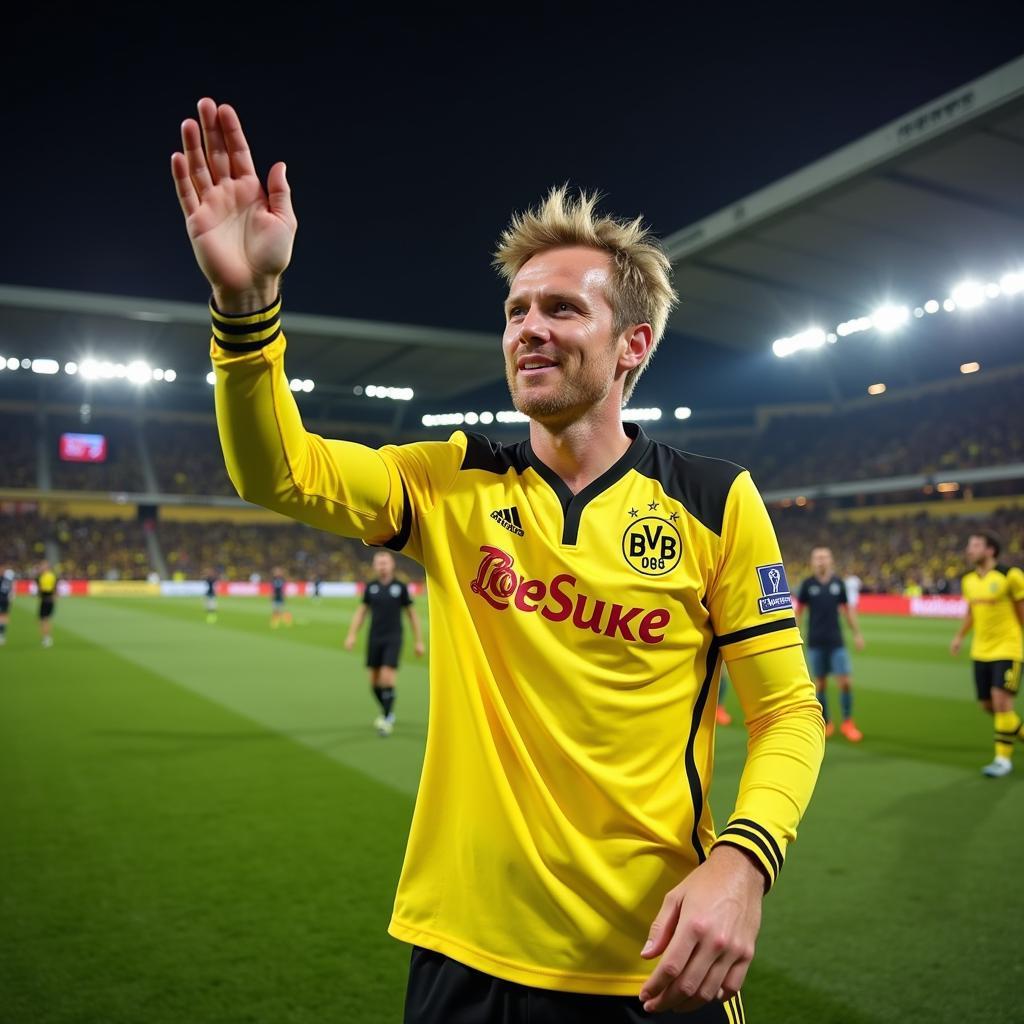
(576, 644)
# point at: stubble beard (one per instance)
(568, 402)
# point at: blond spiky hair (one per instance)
(641, 288)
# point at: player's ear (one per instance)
(639, 339)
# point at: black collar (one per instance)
(574, 504)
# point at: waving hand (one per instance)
(242, 236)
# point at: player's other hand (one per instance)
(350, 642)
(858, 641)
(420, 649)
(954, 647)
(241, 235)
(705, 934)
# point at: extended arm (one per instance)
(417, 631)
(966, 625)
(854, 623)
(357, 624)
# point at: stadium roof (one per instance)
(910, 208)
(338, 354)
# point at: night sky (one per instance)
(410, 140)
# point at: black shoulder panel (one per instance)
(482, 453)
(701, 484)
(1004, 569)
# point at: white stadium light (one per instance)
(371, 390)
(211, 378)
(487, 417)
(636, 415)
(993, 290)
(295, 384)
(968, 295)
(26, 364)
(876, 389)
(970, 367)
(1012, 283)
(684, 412)
(308, 385)
(918, 312)
(948, 305)
(47, 366)
(13, 364)
(931, 306)
(158, 374)
(71, 368)
(511, 416)
(170, 376)
(139, 372)
(889, 318)
(471, 418)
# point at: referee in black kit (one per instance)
(386, 597)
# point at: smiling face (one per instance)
(562, 356)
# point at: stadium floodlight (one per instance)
(918, 312)
(876, 389)
(487, 417)
(47, 366)
(158, 373)
(371, 390)
(1012, 283)
(139, 372)
(889, 318)
(947, 487)
(812, 337)
(511, 416)
(993, 290)
(295, 384)
(71, 368)
(831, 337)
(90, 369)
(211, 378)
(472, 418)
(170, 375)
(854, 326)
(970, 367)
(13, 364)
(948, 305)
(642, 414)
(683, 412)
(931, 306)
(307, 385)
(968, 294)
(26, 364)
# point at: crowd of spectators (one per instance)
(101, 549)
(19, 462)
(954, 429)
(894, 556)
(187, 458)
(239, 551)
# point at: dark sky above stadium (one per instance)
(409, 140)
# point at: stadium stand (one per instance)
(23, 536)
(19, 463)
(101, 549)
(187, 458)
(892, 554)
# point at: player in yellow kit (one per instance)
(562, 839)
(995, 609)
(46, 588)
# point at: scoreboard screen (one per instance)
(83, 448)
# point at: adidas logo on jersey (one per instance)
(509, 518)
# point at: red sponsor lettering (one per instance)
(501, 586)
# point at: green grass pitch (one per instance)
(198, 823)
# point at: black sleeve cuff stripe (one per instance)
(762, 831)
(248, 346)
(236, 330)
(754, 838)
(760, 630)
(228, 317)
(401, 538)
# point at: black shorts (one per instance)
(45, 607)
(5, 605)
(443, 991)
(1002, 675)
(383, 652)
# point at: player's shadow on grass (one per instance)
(320, 737)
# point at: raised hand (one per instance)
(242, 236)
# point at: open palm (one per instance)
(242, 236)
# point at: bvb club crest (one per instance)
(652, 545)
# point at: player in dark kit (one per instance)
(824, 594)
(6, 595)
(278, 612)
(386, 598)
(211, 596)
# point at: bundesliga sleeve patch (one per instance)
(775, 595)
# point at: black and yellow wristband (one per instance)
(248, 331)
(756, 840)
